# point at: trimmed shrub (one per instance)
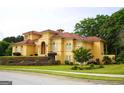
(57, 62)
(75, 67)
(91, 61)
(101, 66)
(107, 60)
(17, 54)
(66, 62)
(98, 61)
(80, 68)
(71, 63)
(35, 54)
(92, 66)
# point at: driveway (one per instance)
(30, 78)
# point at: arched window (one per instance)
(43, 48)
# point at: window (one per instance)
(68, 57)
(68, 46)
(54, 47)
(26, 36)
(16, 49)
(21, 48)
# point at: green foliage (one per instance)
(8, 51)
(17, 54)
(71, 63)
(82, 55)
(3, 46)
(13, 39)
(92, 61)
(75, 67)
(120, 58)
(101, 66)
(92, 66)
(107, 60)
(57, 62)
(90, 26)
(109, 28)
(66, 62)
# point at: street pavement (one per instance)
(30, 78)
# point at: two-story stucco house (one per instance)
(63, 43)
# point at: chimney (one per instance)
(60, 30)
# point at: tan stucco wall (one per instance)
(97, 48)
(25, 50)
(30, 50)
(31, 36)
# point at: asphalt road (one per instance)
(29, 78)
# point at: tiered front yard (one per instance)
(108, 69)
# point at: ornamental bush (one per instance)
(107, 60)
(17, 54)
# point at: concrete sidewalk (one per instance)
(81, 73)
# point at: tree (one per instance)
(111, 29)
(8, 51)
(3, 46)
(106, 27)
(90, 26)
(120, 58)
(82, 55)
(13, 39)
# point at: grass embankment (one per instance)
(108, 69)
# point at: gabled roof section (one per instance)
(32, 32)
(25, 42)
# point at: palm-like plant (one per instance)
(82, 55)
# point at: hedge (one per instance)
(24, 60)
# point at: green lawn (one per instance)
(108, 69)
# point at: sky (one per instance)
(17, 20)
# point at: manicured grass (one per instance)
(108, 69)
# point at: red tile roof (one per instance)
(78, 37)
(62, 35)
(27, 42)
